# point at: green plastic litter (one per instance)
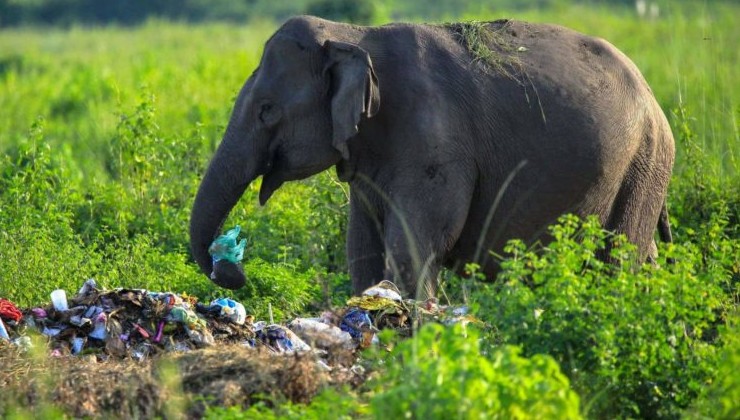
(226, 248)
(186, 317)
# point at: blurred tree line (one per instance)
(131, 12)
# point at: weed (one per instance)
(489, 45)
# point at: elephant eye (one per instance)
(265, 113)
(269, 114)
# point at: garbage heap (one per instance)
(105, 347)
(139, 324)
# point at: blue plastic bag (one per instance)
(226, 248)
(356, 321)
(230, 309)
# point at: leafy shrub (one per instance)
(634, 340)
(443, 373)
(36, 260)
(34, 182)
(39, 246)
(304, 222)
(705, 190)
(278, 285)
(156, 176)
(721, 399)
(140, 262)
(295, 248)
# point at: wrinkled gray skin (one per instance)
(445, 157)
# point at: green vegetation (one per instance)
(634, 341)
(441, 373)
(105, 133)
(721, 399)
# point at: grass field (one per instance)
(105, 133)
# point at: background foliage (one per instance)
(106, 131)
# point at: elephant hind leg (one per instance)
(637, 211)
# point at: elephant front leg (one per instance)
(411, 261)
(421, 214)
(416, 243)
(365, 254)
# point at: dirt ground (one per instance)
(172, 385)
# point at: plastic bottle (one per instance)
(59, 300)
(3, 331)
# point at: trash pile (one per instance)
(138, 324)
(106, 347)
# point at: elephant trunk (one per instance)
(228, 175)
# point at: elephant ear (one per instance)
(354, 90)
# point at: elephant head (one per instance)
(292, 119)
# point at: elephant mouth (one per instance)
(279, 174)
(278, 170)
(271, 181)
(272, 175)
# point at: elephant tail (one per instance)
(664, 226)
(664, 229)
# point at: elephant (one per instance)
(453, 138)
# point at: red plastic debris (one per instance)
(9, 311)
(144, 333)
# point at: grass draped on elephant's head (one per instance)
(488, 44)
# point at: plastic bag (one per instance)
(280, 339)
(358, 324)
(9, 311)
(385, 289)
(319, 334)
(186, 317)
(87, 287)
(230, 309)
(202, 337)
(226, 248)
(374, 303)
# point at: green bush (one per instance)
(721, 399)
(279, 285)
(706, 188)
(442, 373)
(36, 200)
(155, 176)
(634, 340)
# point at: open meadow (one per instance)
(105, 133)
